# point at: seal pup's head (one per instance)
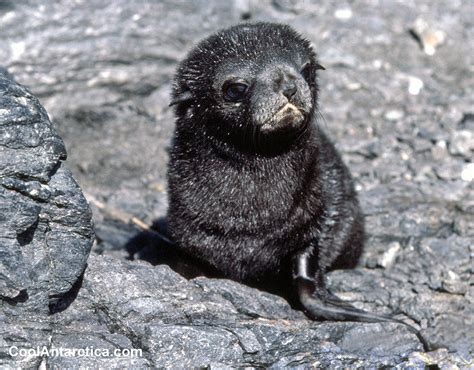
(249, 83)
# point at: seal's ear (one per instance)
(320, 66)
(183, 97)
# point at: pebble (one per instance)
(387, 259)
(352, 86)
(452, 283)
(461, 143)
(467, 173)
(439, 151)
(414, 85)
(343, 14)
(394, 115)
(452, 171)
(427, 36)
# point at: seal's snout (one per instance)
(285, 83)
(289, 109)
(289, 89)
(289, 113)
(287, 117)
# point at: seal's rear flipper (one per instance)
(320, 303)
(324, 305)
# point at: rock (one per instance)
(394, 115)
(450, 170)
(414, 85)
(428, 37)
(207, 322)
(439, 151)
(43, 209)
(462, 143)
(45, 222)
(343, 14)
(467, 172)
(389, 256)
(440, 358)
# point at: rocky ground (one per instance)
(396, 97)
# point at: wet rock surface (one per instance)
(402, 119)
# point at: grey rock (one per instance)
(45, 222)
(428, 37)
(462, 143)
(394, 115)
(449, 171)
(207, 322)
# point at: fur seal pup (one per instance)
(256, 189)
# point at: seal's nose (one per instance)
(284, 81)
(289, 89)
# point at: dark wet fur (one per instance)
(269, 210)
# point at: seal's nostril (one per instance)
(289, 89)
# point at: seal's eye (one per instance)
(235, 91)
(307, 73)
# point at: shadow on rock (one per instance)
(59, 304)
(156, 247)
